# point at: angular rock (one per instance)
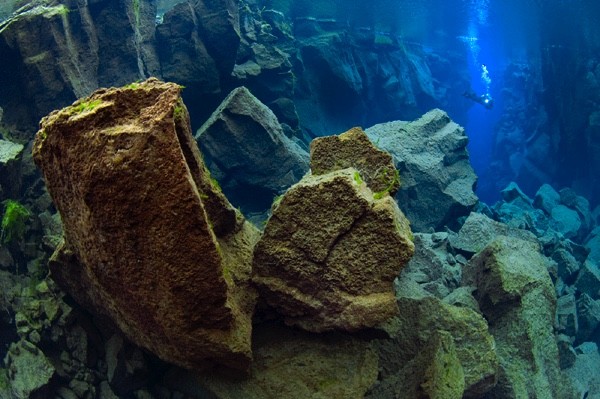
(432, 265)
(566, 315)
(512, 192)
(567, 265)
(10, 154)
(354, 149)
(29, 370)
(421, 319)
(432, 158)
(479, 230)
(291, 364)
(588, 280)
(517, 298)
(546, 198)
(566, 221)
(197, 44)
(246, 149)
(588, 313)
(330, 252)
(59, 51)
(584, 372)
(593, 246)
(151, 243)
(436, 372)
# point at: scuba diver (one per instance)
(485, 99)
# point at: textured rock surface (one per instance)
(479, 230)
(419, 320)
(246, 148)
(432, 158)
(436, 372)
(10, 154)
(58, 51)
(433, 266)
(150, 242)
(353, 149)
(517, 297)
(292, 364)
(330, 253)
(29, 370)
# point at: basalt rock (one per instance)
(353, 149)
(330, 253)
(150, 241)
(414, 330)
(517, 298)
(246, 149)
(431, 156)
(54, 52)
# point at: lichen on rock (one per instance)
(330, 253)
(145, 227)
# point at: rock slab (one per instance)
(245, 146)
(150, 241)
(431, 156)
(516, 295)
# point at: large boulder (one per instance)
(413, 332)
(437, 179)
(289, 363)
(435, 373)
(150, 241)
(479, 230)
(330, 253)
(516, 295)
(246, 149)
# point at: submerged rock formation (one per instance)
(437, 179)
(150, 241)
(331, 250)
(247, 150)
(517, 297)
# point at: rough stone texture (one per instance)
(354, 149)
(517, 298)
(197, 43)
(432, 265)
(431, 156)
(588, 312)
(479, 230)
(546, 198)
(584, 372)
(567, 221)
(10, 154)
(29, 370)
(593, 246)
(436, 372)
(588, 280)
(291, 364)
(419, 320)
(150, 242)
(330, 253)
(246, 148)
(54, 52)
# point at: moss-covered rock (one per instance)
(330, 253)
(517, 297)
(151, 242)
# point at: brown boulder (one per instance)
(354, 149)
(150, 240)
(330, 253)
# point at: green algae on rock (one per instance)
(145, 228)
(330, 253)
